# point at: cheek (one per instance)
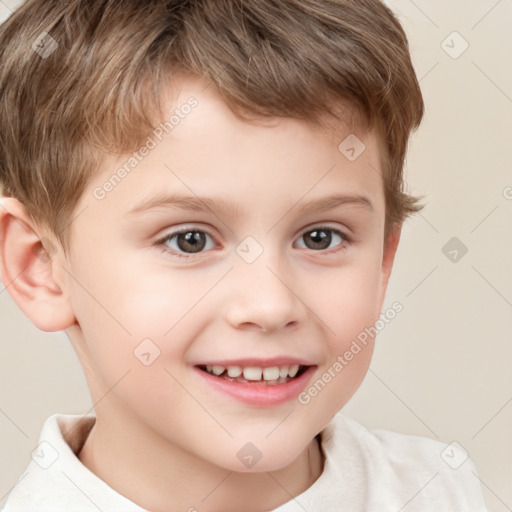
(348, 301)
(132, 348)
(348, 308)
(138, 320)
(127, 296)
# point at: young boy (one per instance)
(207, 198)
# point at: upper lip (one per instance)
(258, 362)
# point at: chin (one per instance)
(266, 456)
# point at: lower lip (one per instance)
(258, 394)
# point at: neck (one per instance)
(155, 473)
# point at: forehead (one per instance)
(201, 148)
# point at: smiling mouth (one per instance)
(270, 376)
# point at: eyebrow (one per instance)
(220, 205)
(327, 203)
(186, 203)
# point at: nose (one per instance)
(261, 297)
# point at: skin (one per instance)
(162, 435)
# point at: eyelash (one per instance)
(161, 243)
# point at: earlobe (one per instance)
(26, 269)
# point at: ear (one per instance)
(27, 270)
(388, 258)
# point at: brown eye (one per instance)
(189, 242)
(192, 241)
(320, 239)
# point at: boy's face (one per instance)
(262, 279)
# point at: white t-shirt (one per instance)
(365, 471)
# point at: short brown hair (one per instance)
(98, 91)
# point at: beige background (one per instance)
(442, 368)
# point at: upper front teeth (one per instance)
(255, 372)
(217, 370)
(234, 371)
(252, 373)
(270, 373)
